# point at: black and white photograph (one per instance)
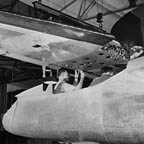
(71, 71)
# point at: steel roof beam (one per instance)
(108, 7)
(69, 4)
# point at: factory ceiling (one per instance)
(87, 10)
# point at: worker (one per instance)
(106, 73)
(63, 77)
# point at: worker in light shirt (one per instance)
(62, 85)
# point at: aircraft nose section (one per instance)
(7, 119)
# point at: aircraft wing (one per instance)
(31, 40)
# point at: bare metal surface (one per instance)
(111, 112)
(31, 46)
(55, 28)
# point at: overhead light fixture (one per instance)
(132, 3)
(99, 17)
